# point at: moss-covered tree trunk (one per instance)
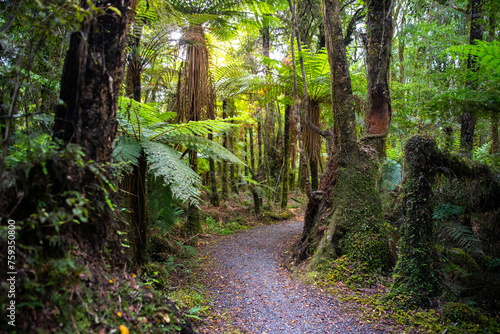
(345, 216)
(414, 277)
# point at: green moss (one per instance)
(355, 228)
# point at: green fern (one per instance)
(165, 162)
(482, 154)
(462, 236)
(391, 174)
(127, 150)
(164, 214)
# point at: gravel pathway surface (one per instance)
(249, 281)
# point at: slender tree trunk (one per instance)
(214, 199)
(256, 199)
(193, 224)
(469, 117)
(233, 170)
(379, 37)
(139, 219)
(286, 160)
(495, 142)
(91, 80)
(296, 109)
(224, 189)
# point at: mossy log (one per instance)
(415, 276)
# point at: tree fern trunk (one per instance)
(495, 143)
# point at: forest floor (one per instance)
(253, 292)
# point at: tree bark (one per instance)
(256, 198)
(379, 37)
(344, 218)
(468, 122)
(91, 81)
(286, 160)
(224, 189)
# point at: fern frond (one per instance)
(446, 210)
(481, 154)
(199, 128)
(127, 150)
(391, 174)
(202, 145)
(161, 204)
(461, 235)
(165, 162)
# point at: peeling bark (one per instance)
(91, 81)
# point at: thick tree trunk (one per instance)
(344, 218)
(379, 37)
(286, 159)
(91, 80)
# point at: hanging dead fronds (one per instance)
(312, 139)
(195, 98)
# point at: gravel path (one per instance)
(248, 280)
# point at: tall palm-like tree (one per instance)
(195, 98)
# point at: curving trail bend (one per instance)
(248, 281)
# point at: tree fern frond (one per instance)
(161, 205)
(127, 150)
(202, 145)
(165, 162)
(199, 128)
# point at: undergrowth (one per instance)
(364, 293)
